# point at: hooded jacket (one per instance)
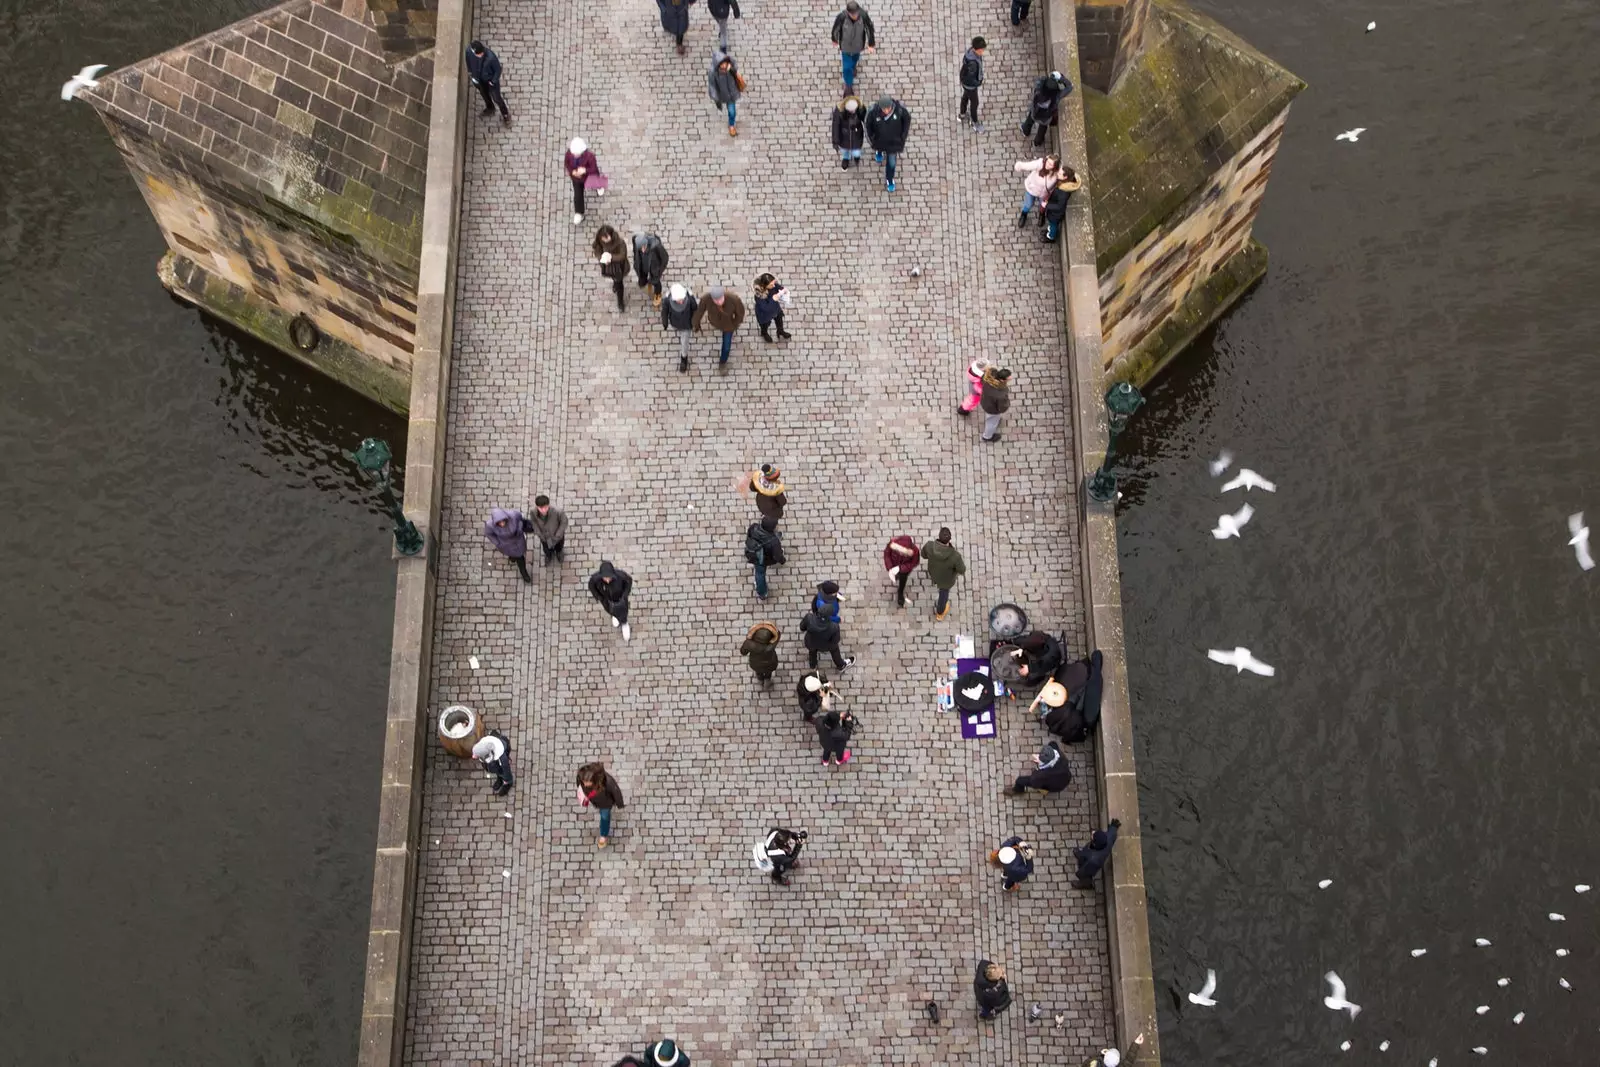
(996, 391)
(725, 317)
(674, 15)
(608, 794)
(853, 36)
(993, 997)
(761, 645)
(834, 729)
(484, 69)
(849, 127)
(822, 633)
(512, 538)
(1093, 856)
(615, 593)
(551, 526)
(1047, 94)
(618, 267)
(944, 563)
(971, 70)
(906, 563)
(649, 256)
(769, 541)
(678, 316)
(1053, 775)
(1055, 208)
(888, 133)
(722, 85)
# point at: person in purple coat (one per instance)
(581, 166)
(507, 531)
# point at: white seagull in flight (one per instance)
(1241, 659)
(84, 79)
(1229, 525)
(1204, 998)
(1335, 998)
(1580, 540)
(1351, 135)
(1249, 480)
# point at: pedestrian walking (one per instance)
(678, 313)
(763, 547)
(990, 989)
(767, 485)
(771, 299)
(849, 131)
(1019, 11)
(761, 648)
(666, 1053)
(900, 558)
(675, 19)
(724, 84)
(1093, 856)
(1038, 178)
(725, 311)
(483, 67)
(974, 378)
(971, 77)
(493, 753)
(1050, 774)
(814, 694)
(945, 565)
(649, 262)
(720, 10)
(585, 174)
(613, 257)
(1055, 209)
(995, 400)
(827, 599)
(597, 789)
(887, 128)
(779, 852)
(854, 33)
(833, 730)
(611, 587)
(1044, 105)
(507, 531)
(1015, 858)
(550, 525)
(822, 635)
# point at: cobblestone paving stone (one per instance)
(582, 954)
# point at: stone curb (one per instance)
(1133, 994)
(394, 881)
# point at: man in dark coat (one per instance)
(813, 692)
(849, 131)
(971, 77)
(763, 546)
(611, 587)
(1043, 107)
(649, 262)
(854, 33)
(666, 1053)
(1093, 857)
(822, 635)
(996, 399)
(887, 128)
(675, 19)
(761, 646)
(990, 989)
(483, 67)
(1051, 775)
(677, 313)
(720, 10)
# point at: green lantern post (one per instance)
(373, 458)
(1122, 400)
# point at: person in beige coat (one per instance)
(725, 311)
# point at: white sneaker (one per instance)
(576, 219)
(614, 622)
(626, 633)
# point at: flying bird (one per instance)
(1229, 525)
(1204, 998)
(1502, 982)
(1223, 461)
(1241, 659)
(1383, 1046)
(1344, 1047)
(1351, 135)
(1335, 998)
(84, 79)
(1580, 543)
(1563, 953)
(1249, 479)
(1480, 1050)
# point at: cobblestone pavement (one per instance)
(581, 954)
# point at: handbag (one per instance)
(759, 858)
(596, 182)
(738, 79)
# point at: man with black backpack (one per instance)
(763, 546)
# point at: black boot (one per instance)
(1022, 220)
(765, 336)
(785, 334)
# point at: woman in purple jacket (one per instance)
(507, 531)
(581, 166)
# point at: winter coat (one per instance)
(618, 267)
(678, 316)
(888, 133)
(770, 542)
(723, 85)
(551, 526)
(484, 69)
(1035, 182)
(1055, 208)
(609, 793)
(1044, 655)
(822, 633)
(674, 16)
(905, 564)
(587, 161)
(810, 703)
(512, 538)
(1047, 98)
(944, 563)
(996, 392)
(649, 1056)
(1018, 869)
(971, 70)
(834, 730)
(614, 593)
(725, 317)
(720, 8)
(761, 645)
(771, 506)
(649, 256)
(849, 128)
(993, 997)
(1052, 774)
(767, 306)
(1092, 857)
(854, 36)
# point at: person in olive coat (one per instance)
(1051, 773)
(996, 399)
(761, 646)
(600, 791)
(613, 257)
(945, 565)
(887, 128)
(675, 19)
(990, 989)
(849, 131)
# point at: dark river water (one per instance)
(1419, 375)
(196, 598)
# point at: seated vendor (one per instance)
(1038, 656)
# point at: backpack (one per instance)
(753, 552)
(827, 607)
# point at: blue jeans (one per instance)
(733, 110)
(889, 161)
(1028, 200)
(727, 347)
(1052, 229)
(847, 67)
(605, 822)
(849, 153)
(761, 580)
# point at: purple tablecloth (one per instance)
(980, 723)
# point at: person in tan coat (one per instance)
(726, 313)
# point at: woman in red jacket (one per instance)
(900, 558)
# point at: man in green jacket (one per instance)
(944, 565)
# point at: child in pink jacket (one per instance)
(975, 371)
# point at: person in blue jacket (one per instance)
(770, 298)
(1015, 857)
(483, 67)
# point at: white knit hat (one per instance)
(1111, 1057)
(578, 146)
(677, 292)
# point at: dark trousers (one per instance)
(1043, 130)
(651, 280)
(522, 567)
(616, 285)
(1024, 783)
(1084, 877)
(838, 660)
(777, 320)
(577, 196)
(900, 588)
(492, 99)
(834, 750)
(780, 867)
(969, 98)
(617, 610)
(554, 550)
(943, 601)
(1019, 11)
